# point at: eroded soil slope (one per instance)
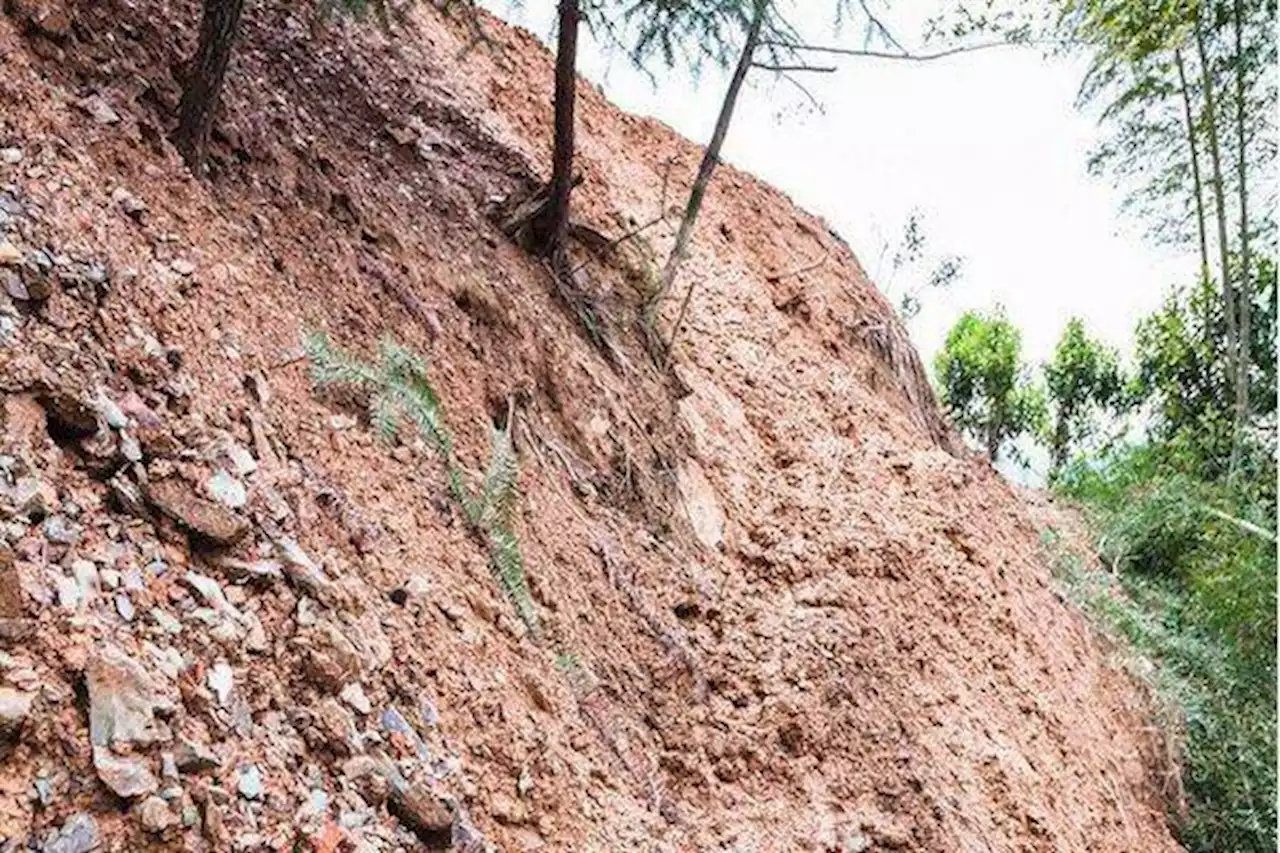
(778, 615)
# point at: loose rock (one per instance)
(79, 834)
(127, 777)
(122, 700)
(249, 782)
(227, 490)
(205, 518)
(428, 816)
(221, 680)
(15, 706)
(155, 815)
(192, 757)
(99, 110)
(353, 694)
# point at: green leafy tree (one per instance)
(1186, 91)
(983, 383)
(1083, 380)
(1183, 373)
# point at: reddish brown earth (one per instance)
(798, 622)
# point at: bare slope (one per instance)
(798, 624)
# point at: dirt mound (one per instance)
(778, 614)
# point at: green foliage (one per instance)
(1181, 368)
(398, 390)
(1194, 590)
(1083, 380)
(984, 384)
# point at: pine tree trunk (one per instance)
(551, 228)
(1244, 296)
(203, 84)
(710, 157)
(1196, 182)
(1219, 201)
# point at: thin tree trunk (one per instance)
(710, 159)
(1219, 201)
(1201, 226)
(203, 85)
(1244, 295)
(1061, 439)
(551, 229)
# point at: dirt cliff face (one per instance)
(778, 614)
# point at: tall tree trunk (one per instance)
(1219, 200)
(551, 228)
(1197, 185)
(710, 159)
(203, 85)
(1243, 294)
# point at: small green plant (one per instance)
(398, 390)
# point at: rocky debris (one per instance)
(227, 490)
(34, 498)
(328, 726)
(11, 156)
(28, 285)
(211, 521)
(425, 814)
(15, 705)
(256, 570)
(122, 714)
(192, 757)
(353, 694)
(330, 659)
(123, 701)
(155, 815)
(249, 782)
(96, 107)
(78, 834)
(132, 206)
(13, 624)
(49, 18)
(221, 680)
(10, 255)
(70, 416)
(59, 530)
(126, 776)
(299, 568)
(70, 596)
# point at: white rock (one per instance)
(221, 679)
(249, 782)
(227, 490)
(353, 694)
(69, 594)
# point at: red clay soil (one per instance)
(777, 615)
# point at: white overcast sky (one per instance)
(988, 146)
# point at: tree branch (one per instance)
(883, 54)
(821, 69)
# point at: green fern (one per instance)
(399, 390)
(500, 492)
